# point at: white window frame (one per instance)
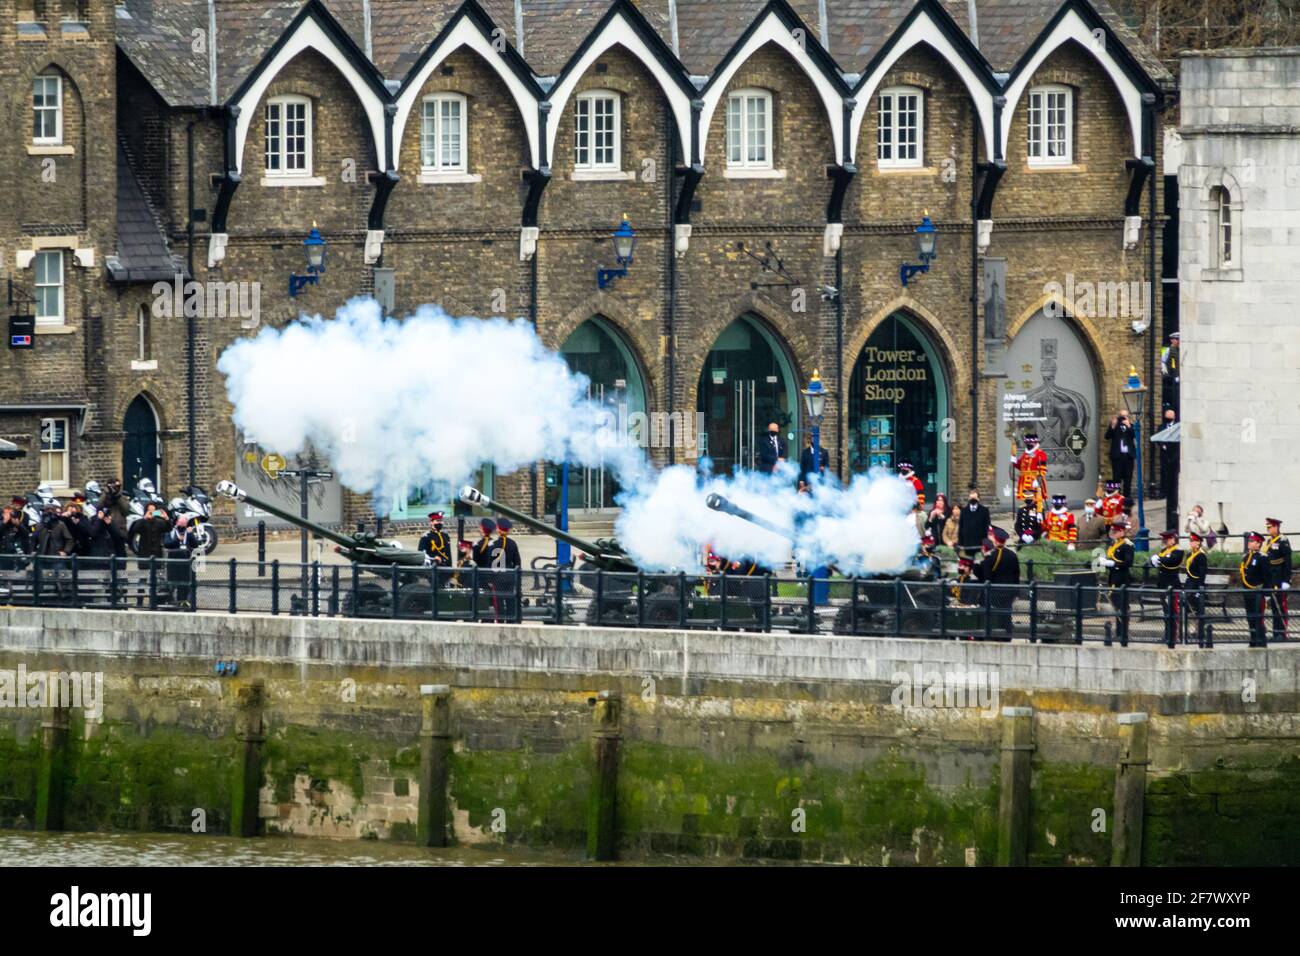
(584, 104)
(738, 129)
(889, 130)
(283, 172)
(63, 453)
(438, 167)
(57, 138)
(1037, 106)
(47, 255)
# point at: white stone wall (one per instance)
(1240, 127)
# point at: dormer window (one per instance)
(596, 136)
(442, 134)
(47, 110)
(749, 129)
(288, 136)
(900, 128)
(1050, 126)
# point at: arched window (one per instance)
(1221, 230)
(47, 110)
(900, 132)
(443, 134)
(144, 345)
(749, 129)
(1049, 131)
(596, 135)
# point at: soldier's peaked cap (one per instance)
(1255, 536)
(1166, 535)
(1273, 521)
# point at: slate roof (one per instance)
(155, 34)
(142, 254)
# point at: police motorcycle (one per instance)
(194, 503)
(144, 495)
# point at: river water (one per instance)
(21, 848)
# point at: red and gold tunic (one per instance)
(1111, 507)
(1060, 526)
(1031, 467)
(919, 487)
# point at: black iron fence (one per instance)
(1073, 607)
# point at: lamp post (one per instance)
(814, 397)
(624, 238)
(1135, 400)
(314, 249)
(926, 241)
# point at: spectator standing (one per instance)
(1197, 524)
(771, 450)
(973, 524)
(936, 523)
(180, 545)
(1123, 451)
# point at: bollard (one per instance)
(605, 737)
(261, 549)
(1130, 790)
(1013, 802)
(435, 764)
(247, 777)
(51, 775)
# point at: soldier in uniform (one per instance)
(1278, 551)
(1031, 471)
(1059, 524)
(1113, 505)
(1196, 566)
(965, 571)
(928, 560)
(1000, 567)
(1119, 561)
(503, 558)
(1253, 577)
(1168, 562)
(1029, 523)
(435, 544)
(908, 474)
(487, 527)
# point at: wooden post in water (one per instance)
(435, 764)
(606, 734)
(1013, 805)
(51, 777)
(1130, 790)
(246, 779)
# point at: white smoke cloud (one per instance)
(397, 405)
(866, 528)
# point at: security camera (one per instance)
(1139, 326)
(828, 293)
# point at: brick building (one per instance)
(775, 160)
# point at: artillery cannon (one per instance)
(625, 595)
(413, 587)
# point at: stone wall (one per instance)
(726, 737)
(1241, 361)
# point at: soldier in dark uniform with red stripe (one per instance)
(1278, 551)
(1196, 566)
(1168, 562)
(1000, 568)
(1119, 562)
(1253, 578)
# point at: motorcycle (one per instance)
(195, 504)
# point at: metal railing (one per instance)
(1080, 610)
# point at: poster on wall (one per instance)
(1051, 390)
(257, 471)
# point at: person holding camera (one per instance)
(180, 544)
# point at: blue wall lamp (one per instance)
(314, 247)
(624, 244)
(925, 249)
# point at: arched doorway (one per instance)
(1051, 389)
(747, 381)
(141, 452)
(598, 350)
(898, 403)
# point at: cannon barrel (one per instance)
(365, 549)
(726, 506)
(604, 552)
